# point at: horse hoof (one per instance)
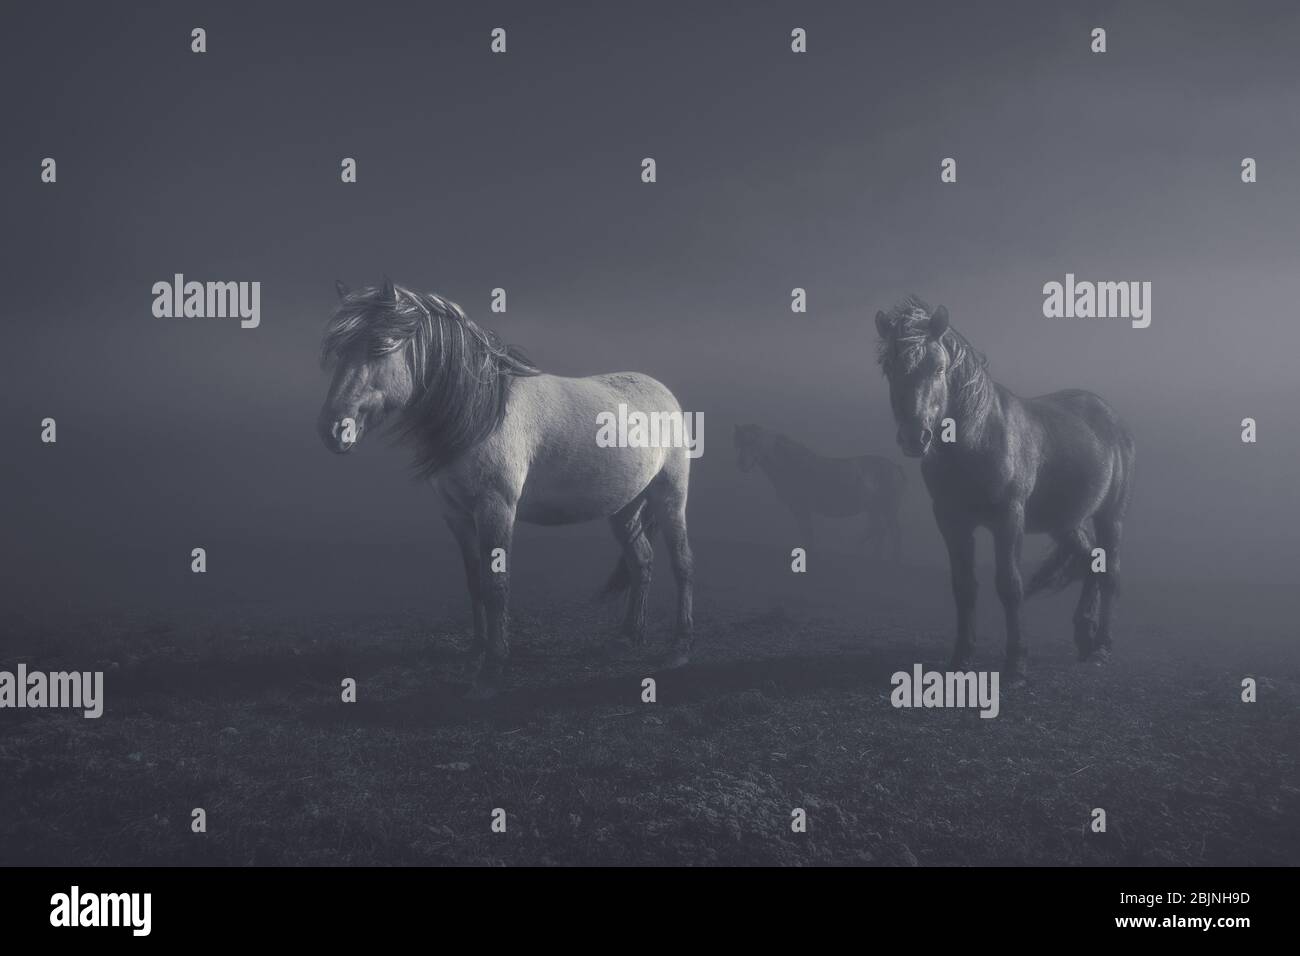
(676, 659)
(489, 680)
(614, 650)
(1100, 655)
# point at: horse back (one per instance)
(835, 487)
(1077, 416)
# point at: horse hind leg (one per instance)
(633, 534)
(667, 495)
(1086, 614)
(1109, 531)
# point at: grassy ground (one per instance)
(786, 706)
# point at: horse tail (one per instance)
(1064, 564)
(620, 579)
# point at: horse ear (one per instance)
(938, 322)
(388, 292)
(341, 289)
(882, 325)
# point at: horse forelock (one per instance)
(904, 347)
(460, 373)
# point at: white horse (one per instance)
(503, 442)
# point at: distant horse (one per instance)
(1061, 464)
(809, 484)
(503, 442)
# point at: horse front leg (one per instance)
(959, 536)
(872, 532)
(807, 529)
(494, 520)
(462, 527)
(1008, 536)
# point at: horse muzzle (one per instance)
(340, 436)
(913, 441)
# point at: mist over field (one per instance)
(522, 171)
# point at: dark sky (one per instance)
(522, 171)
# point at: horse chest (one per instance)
(969, 482)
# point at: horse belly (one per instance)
(561, 511)
(594, 484)
(1065, 496)
(841, 502)
(831, 488)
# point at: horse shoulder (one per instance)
(500, 462)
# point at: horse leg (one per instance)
(668, 497)
(959, 536)
(1086, 612)
(462, 527)
(878, 539)
(1008, 536)
(638, 555)
(1109, 532)
(806, 528)
(494, 519)
(896, 537)
(871, 532)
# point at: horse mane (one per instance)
(461, 374)
(903, 349)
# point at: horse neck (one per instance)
(972, 414)
(439, 436)
(783, 460)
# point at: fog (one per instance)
(522, 171)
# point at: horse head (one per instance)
(752, 443)
(916, 363)
(372, 373)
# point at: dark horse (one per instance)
(1060, 464)
(811, 484)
